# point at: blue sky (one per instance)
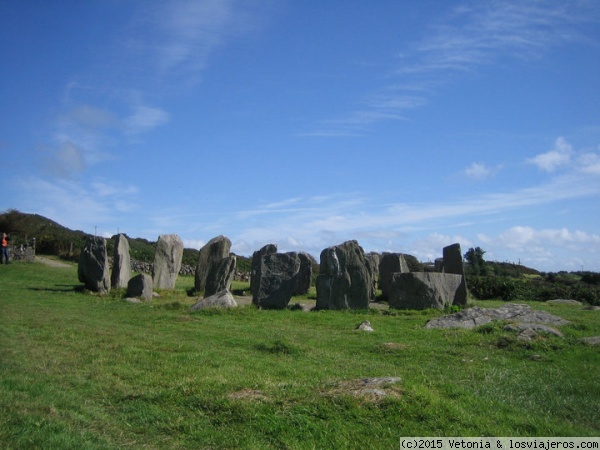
(407, 126)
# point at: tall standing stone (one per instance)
(167, 261)
(215, 250)
(390, 264)
(344, 281)
(93, 265)
(255, 268)
(220, 276)
(373, 260)
(121, 270)
(276, 281)
(140, 286)
(453, 263)
(304, 277)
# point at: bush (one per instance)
(511, 289)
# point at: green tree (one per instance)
(475, 261)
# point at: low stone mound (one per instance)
(474, 317)
(564, 301)
(223, 300)
(369, 388)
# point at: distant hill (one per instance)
(55, 239)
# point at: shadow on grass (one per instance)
(60, 288)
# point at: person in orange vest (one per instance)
(4, 255)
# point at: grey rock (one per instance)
(591, 340)
(133, 300)
(222, 300)
(121, 270)
(422, 290)
(344, 281)
(453, 263)
(93, 268)
(365, 326)
(215, 250)
(276, 280)
(220, 275)
(438, 265)
(373, 261)
(167, 261)
(563, 301)
(390, 264)
(304, 277)
(256, 265)
(476, 316)
(532, 329)
(140, 286)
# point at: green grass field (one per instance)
(82, 371)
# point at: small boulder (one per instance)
(140, 286)
(221, 300)
(365, 326)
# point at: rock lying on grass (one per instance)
(373, 388)
(591, 340)
(365, 326)
(223, 300)
(563, 301)
(474, 317)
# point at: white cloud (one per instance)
(546, 248)
(477, 171)
(590, 163)
(559, 156)
(145, 118)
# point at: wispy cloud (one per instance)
(144, 118)
(470, 37)
(97, 203)
(478, 171)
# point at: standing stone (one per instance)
(255, 267)
(438, 265)
(304, 277)
(167, 261)
(422, 290)
(215, 250)
(453, 263)
(93, 265)
(276, 281)
(390, 264)
(220, 276)
(140, 286)
(121, 271)
(344, 281)
(373, 260)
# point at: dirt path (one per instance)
(52, 262)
